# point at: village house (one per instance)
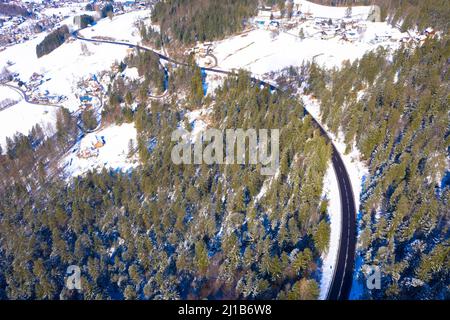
(92, 150)
(88, 153)
(201, 49)
(382, 37)
(351, 35)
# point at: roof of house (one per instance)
(85, 98)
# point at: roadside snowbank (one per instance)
(356, 169)
(331, 193)
(261, 51)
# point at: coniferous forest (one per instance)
(169, 231)
(401, 126)
(197, 231)
(206, 20)
(52, 41)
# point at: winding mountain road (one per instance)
(343, 272)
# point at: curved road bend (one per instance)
(343, 272)
(341, 283)
(25, 96)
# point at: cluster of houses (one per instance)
(349, 28)
(204, 53)
(41, 16)
(17, 29)
(345, 29)
(90, 93)
(34, 92)
(20, 28)
(133, 5)
(201, 49)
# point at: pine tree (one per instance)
(301, 34)
(201, 258)
(304, 290)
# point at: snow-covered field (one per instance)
(120, 28)
(318, 10)
(261, 51)
(113, 154)
(8, 93)
(131, 73)
(22, 116)
(74, 8)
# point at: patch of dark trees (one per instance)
(11, 9)
(52, 41)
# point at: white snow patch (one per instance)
(131, 73)
(332, 12)
(66, 65)
(114, 153)
(214, 81)
(198, 125)
(22, 116)
(8, 93)
(331, 193)
(120, 28)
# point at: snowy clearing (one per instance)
(22, 116)
(120, 28)
(331, 193)
(331, 12)
(111, 152)
(262, 51)
(8, 93)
